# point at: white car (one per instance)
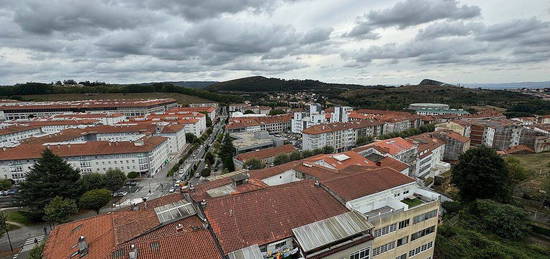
(172, 189)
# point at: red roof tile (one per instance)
(267, 152)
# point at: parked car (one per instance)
(3, 193)
(172, 189)
(131, 183)
(11, 192)
(120, 194)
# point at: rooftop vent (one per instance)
(133, 254)
(82, 246)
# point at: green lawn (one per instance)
(412, 202)
(17, 216)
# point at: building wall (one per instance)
(16, 137)
(349, 251)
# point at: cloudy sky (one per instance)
(352, 41)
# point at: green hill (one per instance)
(264, 84)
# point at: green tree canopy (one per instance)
(5, 184)
(3, 223)
(281, 159)
(114, 179)
(59, 210)
(190, 138)
(482, 174)
(205, 172)
(226, 153)
(92, 181)
(504, 220)
(328, 150)
(276, 112)
(254, 164)
(517, 172)
(49, 177)
(209, 158)
(95, 199)
(133, 175)
(295, 155)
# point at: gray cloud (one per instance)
(443, 29)
(410, 13)
(512, 29)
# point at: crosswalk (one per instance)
(29, 245)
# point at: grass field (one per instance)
(181, 98)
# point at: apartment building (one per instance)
(536, 137)
(499, 134)
(14, 134)
(104, 118)
(461, 127)
(340, 136)
(238, 107)
(195, 122)
(314, 116)
(397, 148)
(147, 155)
(455, 144)
(272, 124)
(430, 153)
(48, 126)
(208, 110)
(27, 110)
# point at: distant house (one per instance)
(266, 155)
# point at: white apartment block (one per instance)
(147, 156)
(340, 136)
(12, 135)
(340, 114)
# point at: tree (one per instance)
(5, 184)
(209, 158)
(517, 172)
(248, 112)
(3, 223)
(95, 199)
(226, 153)
(59, 210)
(253, 164)
(114, 179)
(363, 140)
(205, 172)
(190, 138)
(133, 175)
(307, 153)
(276, 112)
(481, 174)
(49, 177)
(504, 220)
(281, 159)
(36, 252)
(295, 155)
(328, 150)
(93, 181)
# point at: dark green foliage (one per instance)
(59, 210)
(40, 88)
(36, 252)
(482, 174)
(281, 159)
(51, 176)
(295, 156)
(5, 184)
(205, 172)
(328, 150)
(276, 112)
(92, 181)
(190, 138)
(517, 172)
(263, 84)
(451, 207)
(95, 199)
(114, 179)
(248, 112)
(254, 164)
(209, 158)
(226, 153)
(504, 220)
(363, 140)
(3, 223)
(410, 132)
(132, 175)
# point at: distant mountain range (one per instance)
(545, 84)
(264, 84)
(189, 84)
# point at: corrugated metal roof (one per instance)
(174, 211)
(329, 230)
(250, 252)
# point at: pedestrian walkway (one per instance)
(28, 246)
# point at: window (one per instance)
(425, 216)
(404, 223)
(361, 254)
(383, 248)
(279, 245)
(403, 256)
(385, 230)
(422, 233)
(421, 249)
(402, 240)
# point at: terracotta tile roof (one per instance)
(326, 128)
(519, 149)
(242, 122)
(207, 109)
(172, 128)
(392, 146)
(115, 232)
(340, 160)
(268, 215)
(64, 135)
(88, 104)
(89, 115)
(43, 123)
(452, 135)
(33, 151)
(393, 164)
(16, 129)
(364, 181)
(267, 152)
(98, 233)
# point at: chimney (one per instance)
(133, 252)
(82, 246)
(317, 184)
(179, 228)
